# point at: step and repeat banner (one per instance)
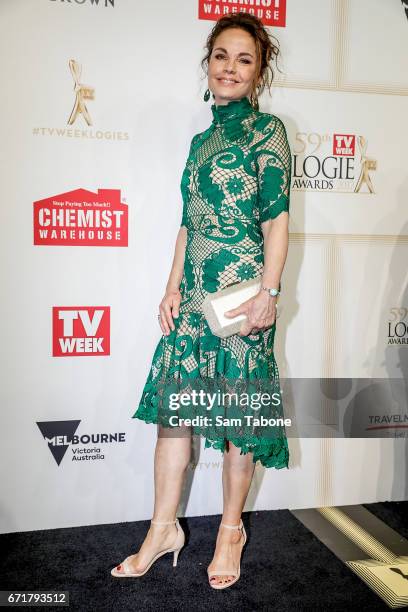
(100, 101)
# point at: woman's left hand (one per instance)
(260, 311)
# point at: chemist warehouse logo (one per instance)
(60, 436)
(79, 331)
(270, 12)
(81, 218)
(332, 162)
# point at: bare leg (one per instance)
(171, 459)
(236, 479)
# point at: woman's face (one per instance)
(231, 66)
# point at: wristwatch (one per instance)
(272, 292)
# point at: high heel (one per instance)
(234, 572)
(175, 549)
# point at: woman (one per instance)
(235, 189)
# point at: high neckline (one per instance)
(234, 109)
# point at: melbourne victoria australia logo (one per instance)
(79, 119)
(62, 435)
(270, 12)
(398, 326)
(81, 218)
(80, 331)
(332, 162)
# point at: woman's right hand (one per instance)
(169, 307)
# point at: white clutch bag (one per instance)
(215, 304)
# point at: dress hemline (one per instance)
(261, 448)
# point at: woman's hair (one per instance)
(266, 50)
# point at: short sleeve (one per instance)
(185, 181)
(274, 167)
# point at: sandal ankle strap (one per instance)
(163, 522)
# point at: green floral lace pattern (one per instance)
(237, 175)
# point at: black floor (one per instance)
(284, 567)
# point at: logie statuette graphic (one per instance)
(82, 93)
(367, 163)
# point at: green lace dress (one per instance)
(237, 175)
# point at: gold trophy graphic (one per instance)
(385, 572)
(82, 93)
(367, 163)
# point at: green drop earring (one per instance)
(207, 95)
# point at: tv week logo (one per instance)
(344, 144)
(80, 331)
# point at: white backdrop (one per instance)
(344, 72)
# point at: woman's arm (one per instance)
(170, 304)
(276, 242)
(273, 160)
(260, 310)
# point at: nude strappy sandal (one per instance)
(175, 549)
(233, 572)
